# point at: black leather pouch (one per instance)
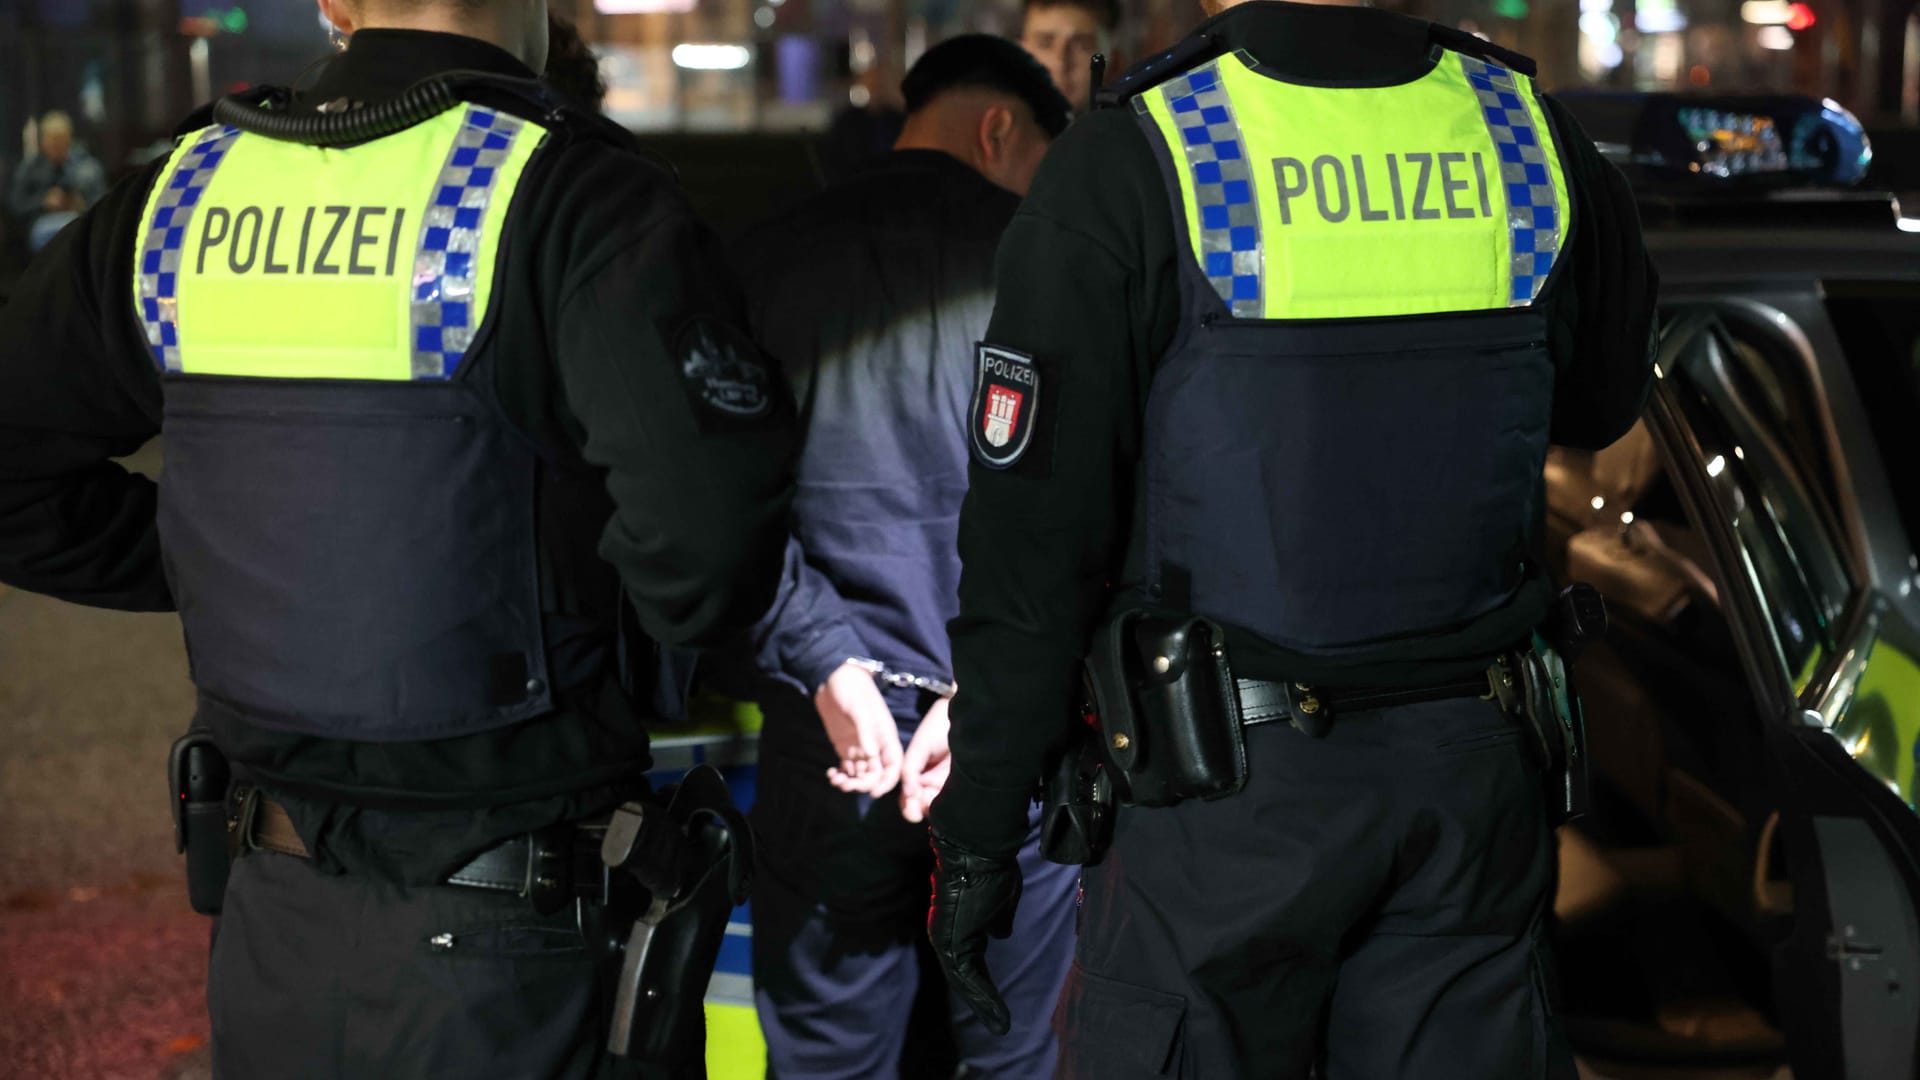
(1168, 710)
(198, 774)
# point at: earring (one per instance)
(335, 38)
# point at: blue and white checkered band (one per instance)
(1533, 206)
(1222, 187)
(444, 269)
(166, 234)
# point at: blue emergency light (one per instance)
(1768, 141)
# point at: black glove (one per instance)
(973, 896)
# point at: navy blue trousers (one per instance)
(839, 912)
(327, 976)
(1371, 902)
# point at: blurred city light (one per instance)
(773, 66)
(644, 7)
(706, 57)
(1600, 50)
(1658, 17)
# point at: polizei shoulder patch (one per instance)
(722, 371)
(1006, 402)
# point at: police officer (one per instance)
(870, 297)
(440, 367)
(1280, 343)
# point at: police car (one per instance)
(1741, 900)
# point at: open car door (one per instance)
(1838, 862)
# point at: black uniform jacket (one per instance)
(601, 262)
(1086, 285)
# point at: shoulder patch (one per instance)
(1006, 405)
(722, 370)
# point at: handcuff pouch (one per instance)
(1077, 807)
(1167, 707)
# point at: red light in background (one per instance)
(1698, 75)
(1800, 16)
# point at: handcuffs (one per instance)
(886, 676)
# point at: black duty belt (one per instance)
(1263, 701)
(552, 866)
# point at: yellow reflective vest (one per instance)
(1310, 202)
(277, 259)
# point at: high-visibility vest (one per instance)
(1299, 198)
(1344, 443)
(347, 521)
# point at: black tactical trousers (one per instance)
(1371, 901)
(348, 977)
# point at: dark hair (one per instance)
(572, 68)
(991, 63)
(1107, 11)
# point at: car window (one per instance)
(1878, 324)
(1759, 448)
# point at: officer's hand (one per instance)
(974, 897)
(862, 731)
(928, 761)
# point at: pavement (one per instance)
(102, 963)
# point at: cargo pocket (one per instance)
(510, 940)
(1115, 1031)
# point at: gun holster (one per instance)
(1076, 811)
(197, 778)
(1167, 707)
(1577, 623)
(686, 864)
(1534, 685)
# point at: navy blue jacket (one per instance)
(871, 297)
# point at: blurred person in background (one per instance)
(871, 296)
(572, 66)
(1064, 35)
(51, 188)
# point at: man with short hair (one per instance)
(458, 418)
(1064, 35)
(54, 186)
(871, 295)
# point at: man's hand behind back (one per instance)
(862, 731)
(928, 762)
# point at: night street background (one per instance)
(102, 964)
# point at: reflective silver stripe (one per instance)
(1216, 156)
(728, 988)
(1533, 204)
(445, 268)
(159, 298)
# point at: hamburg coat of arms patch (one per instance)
(1006, 399)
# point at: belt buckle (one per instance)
(243, 812)
(549, 882)
(1503, 685)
